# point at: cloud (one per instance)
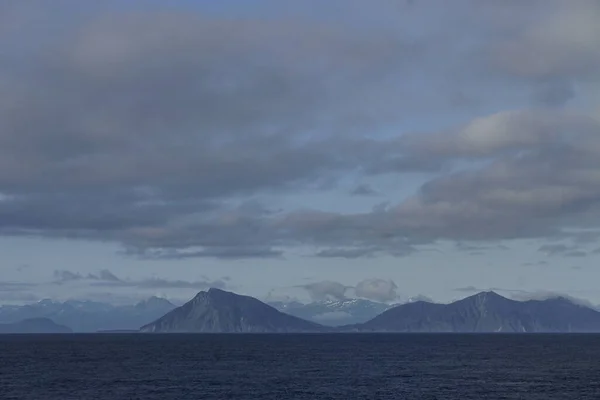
(377, 289)
(562, 250)
(14, 286)
(17, 291)
(152, 117)
(420, 297)
(150, 126)
(469, 289)
(326, 290)
(108, 279)
(222, 252)
(564, 42)
(363, 190)
(545, 295)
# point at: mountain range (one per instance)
(218, 311)
(337, 312)
(89, 316)
(333, 312)
(486, 312)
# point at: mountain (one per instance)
(34, 325)
(485, 312)
(334, 312)
(89, 316)
(218, 311)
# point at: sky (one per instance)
(382, 149)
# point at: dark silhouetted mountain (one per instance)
(218, 311)
(486, 312)
(334, 312)
(34, 325)
(89, 316)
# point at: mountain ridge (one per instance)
(90, 316)
(219, 311)
(486, 312)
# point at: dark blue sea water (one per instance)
(442, 367)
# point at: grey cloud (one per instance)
(326, 290)
(576, 253)
(146, 119)
(14, 286)
(63, 276)
(377, 289)
(522, 295)
(538, 263)
(553, 94)
(533, 174)
(366, 251)
(139, 127)
(223, 252)
(17, 291)
(347, 253)
(564, 42)
(159, 283)
(468, 247)
(372, 289)
(363, 190)
(562, 250)
(469, 289)
(18, 296)
(107, 278)
(421, 297)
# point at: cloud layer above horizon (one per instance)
(201, 130)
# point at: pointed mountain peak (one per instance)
(485, 299)
(214, 290)
(491, 293)
(488, 295)
(216, 294)
(154, 301)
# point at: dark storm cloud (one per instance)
(144, 126)
(107, 278)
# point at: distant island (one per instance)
(89, 316)
(34, 325)
(219, 311)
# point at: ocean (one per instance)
(336, 366)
